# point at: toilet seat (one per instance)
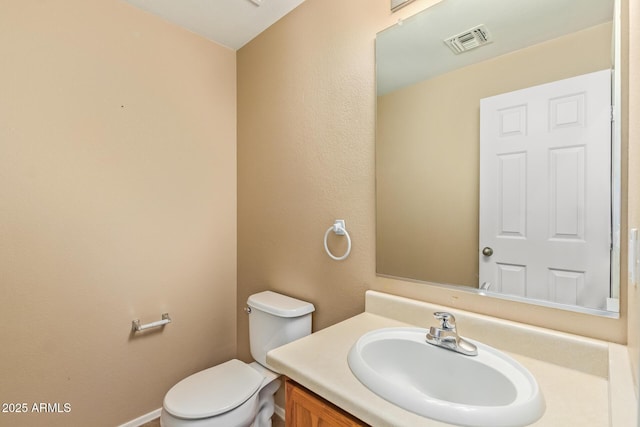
(213, 391)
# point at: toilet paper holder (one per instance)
(137, 327)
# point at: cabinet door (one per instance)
(305, 409)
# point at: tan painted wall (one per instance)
(427, 155)
(117, 195)
(117, 201)
(305, 157)
(634, 174)
(306, 138)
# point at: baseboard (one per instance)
(155, 414)
(143, 419)
(279, 412)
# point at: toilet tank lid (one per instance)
(279, 305)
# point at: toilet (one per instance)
(235, 393)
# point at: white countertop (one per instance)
(576, 393)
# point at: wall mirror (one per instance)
(498, 150)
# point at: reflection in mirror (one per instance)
(497, 166)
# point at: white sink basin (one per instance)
(487, 390)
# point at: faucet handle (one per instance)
(447, 320)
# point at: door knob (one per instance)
(487, 251)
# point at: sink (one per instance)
(487, 390)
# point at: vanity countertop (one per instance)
(574, 373)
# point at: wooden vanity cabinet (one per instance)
(305, 409)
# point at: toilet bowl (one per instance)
(230, 394)
(234, 393)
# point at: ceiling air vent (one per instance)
(470, 39)
(397, 4)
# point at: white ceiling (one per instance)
(231, 23)
(415, 50)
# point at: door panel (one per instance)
(545, 168)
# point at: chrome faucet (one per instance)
(446, 336)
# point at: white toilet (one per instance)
(234, 393)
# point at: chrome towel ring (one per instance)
(339, 229)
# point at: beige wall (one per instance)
(427, 163)
(634, 173)
(306, 121)
(305, 157)
(117, 201)
(118, 197)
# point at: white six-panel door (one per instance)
(545, 210)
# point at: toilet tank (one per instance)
(275, 320)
